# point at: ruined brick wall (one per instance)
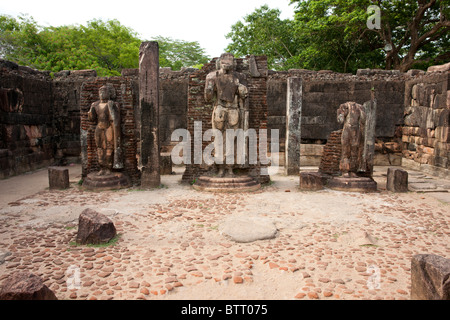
(426, 131)
(66, 116)
(332, 153)
(126, 96)
(173, 103)
(324, 91)
(173, 96)
(26, 113)
(199, 110)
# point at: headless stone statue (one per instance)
(353, 116)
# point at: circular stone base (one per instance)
(354, 184)
(233, 184)
(112, 181)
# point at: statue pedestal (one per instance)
(353, 184)
(112, 181)
(231, 184)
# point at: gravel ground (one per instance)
(330, 245)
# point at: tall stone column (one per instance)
(149, 114)
(293, 126)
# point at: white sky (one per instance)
(192, 20)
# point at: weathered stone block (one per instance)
(397, 180)
(25, 286)
(430, 277)
(94, 228)
(58, 178)
(311, 181)
(166, 164)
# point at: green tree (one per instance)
(411, 33)
(263, 32)
(333, 34)
(179, 53)
(106, 46)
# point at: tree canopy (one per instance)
(106, 46)
(334, 34)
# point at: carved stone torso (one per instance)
(227, 87)
(103, 115)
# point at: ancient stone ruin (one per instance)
(123, 132)
(41, 116)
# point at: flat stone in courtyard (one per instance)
(248, 229)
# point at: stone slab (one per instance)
(248, 229)
(359, 184)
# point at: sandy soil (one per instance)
(170, 246)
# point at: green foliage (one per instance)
(333, 34)
(264, 33)
(177, 54)
(106, 46)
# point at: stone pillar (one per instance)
(370, 108)
(293, 126)
(397, 180)
(58, 178)
(148, 117)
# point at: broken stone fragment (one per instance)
(397, 180)
(430, 277)
(94, 228)
(25, 286)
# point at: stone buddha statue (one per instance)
(106, 114)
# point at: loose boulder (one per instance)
(25, 286)
(94, 228)
(430, 277)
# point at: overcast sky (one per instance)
(205, 21)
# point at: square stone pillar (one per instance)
(293, 126)
(397, 180)
(148, 117)
(58, 178)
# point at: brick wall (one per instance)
(26, 113)
(332, 153)
(66, 117)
